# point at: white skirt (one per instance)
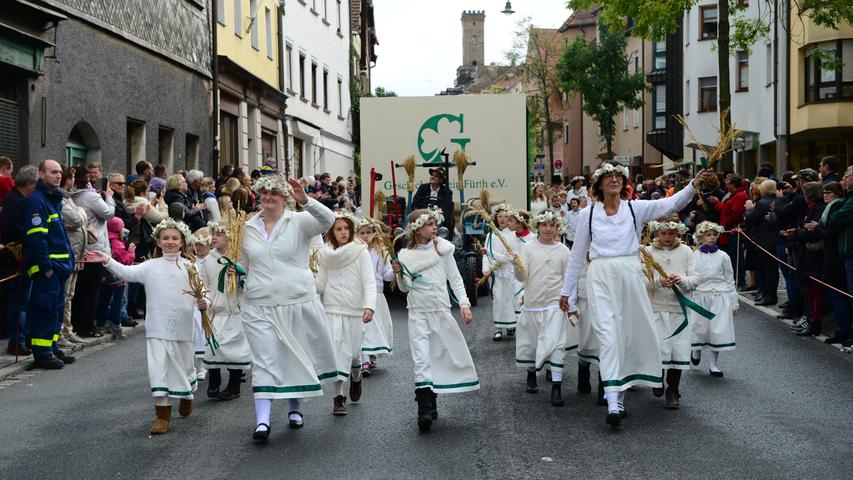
(233, 352)
(198, 335)
(540, 339)
(348, 334)
(622, 318)
(675, 351)
(504, 302)
(170, 368)
(440, 353)
(718, 334)
(379, 333)
(280, 366)
(587, 341)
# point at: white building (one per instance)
(316, 70)
(752, 88)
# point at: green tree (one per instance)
(598, 71)
(381, 92)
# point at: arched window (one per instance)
(474, 40)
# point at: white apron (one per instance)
(718, 334)
(379, 333)
(233, 352)
(675, 351)
(170, 368)
(348, 334)
(540, 339)
(442, 360)
(505, 306)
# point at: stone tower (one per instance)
(473, 35)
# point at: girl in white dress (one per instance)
(497, 263)
(443, 363)
(678, 261)
(379, 333)
(716, 293)
(544, 329)
(200, 248)
(346, 283)
(538, 198)
(233, 351)
(619, 306)
(168, 319)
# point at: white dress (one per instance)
(674, 349)
(439, 351)
(587, 341)
(346, 283)
(168, 322)
(233, 350)
(716, 293)
(619, 306)
(506, 289)
(198, 332)
(379, 334)
(284, 320)
(543, 337)
(537, 206)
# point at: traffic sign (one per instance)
(558, 164)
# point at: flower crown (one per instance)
(177, 225)
(516, 214)
(500, 208)
(272, 183)
(549, 216)
(576, 178)
(217, 227)
(705, 227)
(423, 219)
(655, 226)
(606, 168)
(349, 216)
(201, 238)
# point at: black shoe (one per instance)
(531, 383)
(556, 395)
(510, 332)
(695, 359)
(434, 401)
(548, 375)
(784, 306)
(809, 331)
(214, 393)
(766, 302)
(355, 390)
(623, 414)
(295, 424)
(66, 359)
(847, 343)
(129, 323)
(498, 336)
(657, 391)
(715, 374)
(789, 315)
(47, 363)
(232, 390)
(261, 436)
(837, 338)
(93, 334)
(600, 401)
(613, 419)
(748, 288)
(214, 381)
(424, 398)
(584, 386)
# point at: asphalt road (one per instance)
(782, 411)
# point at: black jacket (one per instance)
(833, 263)
(809, 262)
(444, 201)
(762, 230)
(192, 216)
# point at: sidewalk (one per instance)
(10, 368)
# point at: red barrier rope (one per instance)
(9, 277)
(789, 266)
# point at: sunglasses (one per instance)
(118, 183)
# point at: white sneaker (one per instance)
(202, 375)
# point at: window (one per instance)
(326, 90)
(565, 133)
(659, 105)
(288, 59)
(624, 119)
(314, 84)
(302, 76)
(636, 62)
(768, 65)
(708, 94)
(340, 98)
(166, 138)
(220, 11)
(659, 53)
(238, 18)
(742, 71)
(253, 23)
(269, 34)
(828, 84)
(135, 143)
(687, 97)
(228, 139)
(707, 22)
(687, 22)
(637, 118)
(474, 39)
(192, 151)
(339, 17)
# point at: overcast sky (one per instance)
(420, 41)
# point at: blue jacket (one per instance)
(46, 245)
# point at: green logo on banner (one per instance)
(441, 134)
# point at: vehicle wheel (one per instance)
(468, 277)
(484, 288)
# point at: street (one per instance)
(781, 411)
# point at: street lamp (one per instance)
(508, 9)
(738, 145)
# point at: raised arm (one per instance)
(128, 273)
(647, 210)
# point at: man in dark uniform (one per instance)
(436, 194)
(48, 261)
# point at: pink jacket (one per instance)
(120, 253)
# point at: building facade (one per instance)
(316, 48)
(251, 96)
(364, 42)
(103, 85)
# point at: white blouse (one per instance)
(545, 265)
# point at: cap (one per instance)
(807, 175)
(438, 171)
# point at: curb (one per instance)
(769, 311)
(24, 362)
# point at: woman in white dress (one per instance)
(284, 320)
(538, 198)
(619, 307)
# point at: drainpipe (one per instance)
(214, 68)
(282, 67)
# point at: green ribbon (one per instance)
(686, 303)
(227, 262)
(213, 344)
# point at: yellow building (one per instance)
(821, 101)
(250, 92)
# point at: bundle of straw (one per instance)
(485, 196)
(461, 160)
(409, 166)
(199, 292)
(478, 210)
(727, 137)
(381, 204)
(234, 226)
(494, 268)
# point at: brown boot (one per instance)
(164, 419)
(671, 400)
(185, 407)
